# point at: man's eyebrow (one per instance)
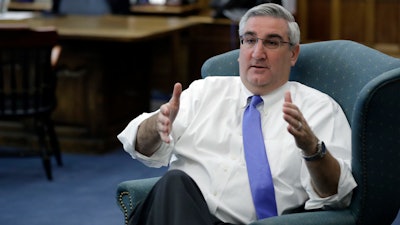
(266, 37)
(250, 33)
(274, 36)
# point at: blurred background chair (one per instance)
(27, 90)
(90, 7)
(365, 83)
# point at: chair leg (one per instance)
(54, 144)
(47, 167)
(43, 148)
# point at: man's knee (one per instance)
(175, 177)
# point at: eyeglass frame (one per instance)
(264, 40)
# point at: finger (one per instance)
(176, 94)
(164, 111)
(288, 103)
(163, 130)
(168, 112)
(165, 137)
(292, 122)
(163, 121)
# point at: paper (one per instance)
(16, 15)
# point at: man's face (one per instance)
(263, 70)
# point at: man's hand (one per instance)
(157, 128)
(167, 114)
(324, 172)
(298, 127)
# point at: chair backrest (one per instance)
(376, 151)
(27, 78)
(81, 7)
(365, 82)
(338, 68)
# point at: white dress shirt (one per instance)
(207, 145)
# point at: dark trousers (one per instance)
(174, 200)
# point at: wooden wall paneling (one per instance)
(319, 20)
(370, 21)
(353, 20)
(387, 28)
(302, 19)
(336, 18)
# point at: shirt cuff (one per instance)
(340, 200)
(128, 139)
(160, 158)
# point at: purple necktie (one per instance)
(259, 173)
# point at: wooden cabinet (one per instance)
(210, 39)
(101, 86)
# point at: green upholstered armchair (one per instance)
(366, 83)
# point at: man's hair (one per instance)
(277, 11)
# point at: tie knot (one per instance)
(255, 100)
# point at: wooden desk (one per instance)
(105, 74)
(140, 9)
(111, 27)
(29, 6)
(110, 63)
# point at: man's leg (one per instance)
(174, 200)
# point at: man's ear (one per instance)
(295, 54)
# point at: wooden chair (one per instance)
(27, 89)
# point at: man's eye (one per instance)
(271, 42)
(250, 41)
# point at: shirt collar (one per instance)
(268, 99)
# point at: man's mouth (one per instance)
(259, 66)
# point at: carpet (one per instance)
(82, 191)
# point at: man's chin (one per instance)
(258, 78)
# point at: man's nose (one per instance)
(259, 50)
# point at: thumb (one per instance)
(288, 97)
(176, 94)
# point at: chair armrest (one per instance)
(131, 192)
(333, 217)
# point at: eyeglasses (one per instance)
(249, 41)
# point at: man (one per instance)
(200, 133)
